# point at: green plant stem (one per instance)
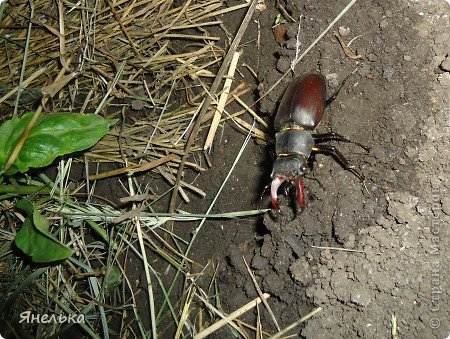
(23, 190)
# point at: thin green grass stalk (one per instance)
(94, 282)
(166, 296)
(69, 202)
(175, 236)
(74, 309)
(2, 9)
(7, 246)
(109, 264)
(185, 311)
(199, 227)
(148, 278)
(163, 254)
(160, 251)
(153, 220)
(62, 330)
(15, 190)
(101, 232)
(193, 287)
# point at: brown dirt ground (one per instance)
(397, 102)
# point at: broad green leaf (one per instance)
(34, 238)
(26, 206)
(10, 132)
(52, 136)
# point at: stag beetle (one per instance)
(300, 111)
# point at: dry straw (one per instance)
(146, 61)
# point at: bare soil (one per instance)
(397, 102)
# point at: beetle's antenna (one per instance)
(331, 99)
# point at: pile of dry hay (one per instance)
(153, 56)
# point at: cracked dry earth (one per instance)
(395, 227)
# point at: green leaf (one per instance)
(26, 206)
(34, 238)
(52, 136)
(10, 132)
(113, 278)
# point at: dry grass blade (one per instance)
(245, 126)
(36, 74)
(252, 112)
(119, 50)
(185, 312)
(222, 101)
(231, 316)
(228, 320)
(295, 324)
(344, 249)
(212, 93)
(137, 60)
(258, 289)
(346, 48)
(394, 332)
(135, 168)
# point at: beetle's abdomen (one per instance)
(303, 103)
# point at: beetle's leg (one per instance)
(332, 136)
(311, 160)
(300, 194)
(338, 157)
(331, 99)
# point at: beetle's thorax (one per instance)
(293, 148)
(293, 142)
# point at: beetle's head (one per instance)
(289, 169)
